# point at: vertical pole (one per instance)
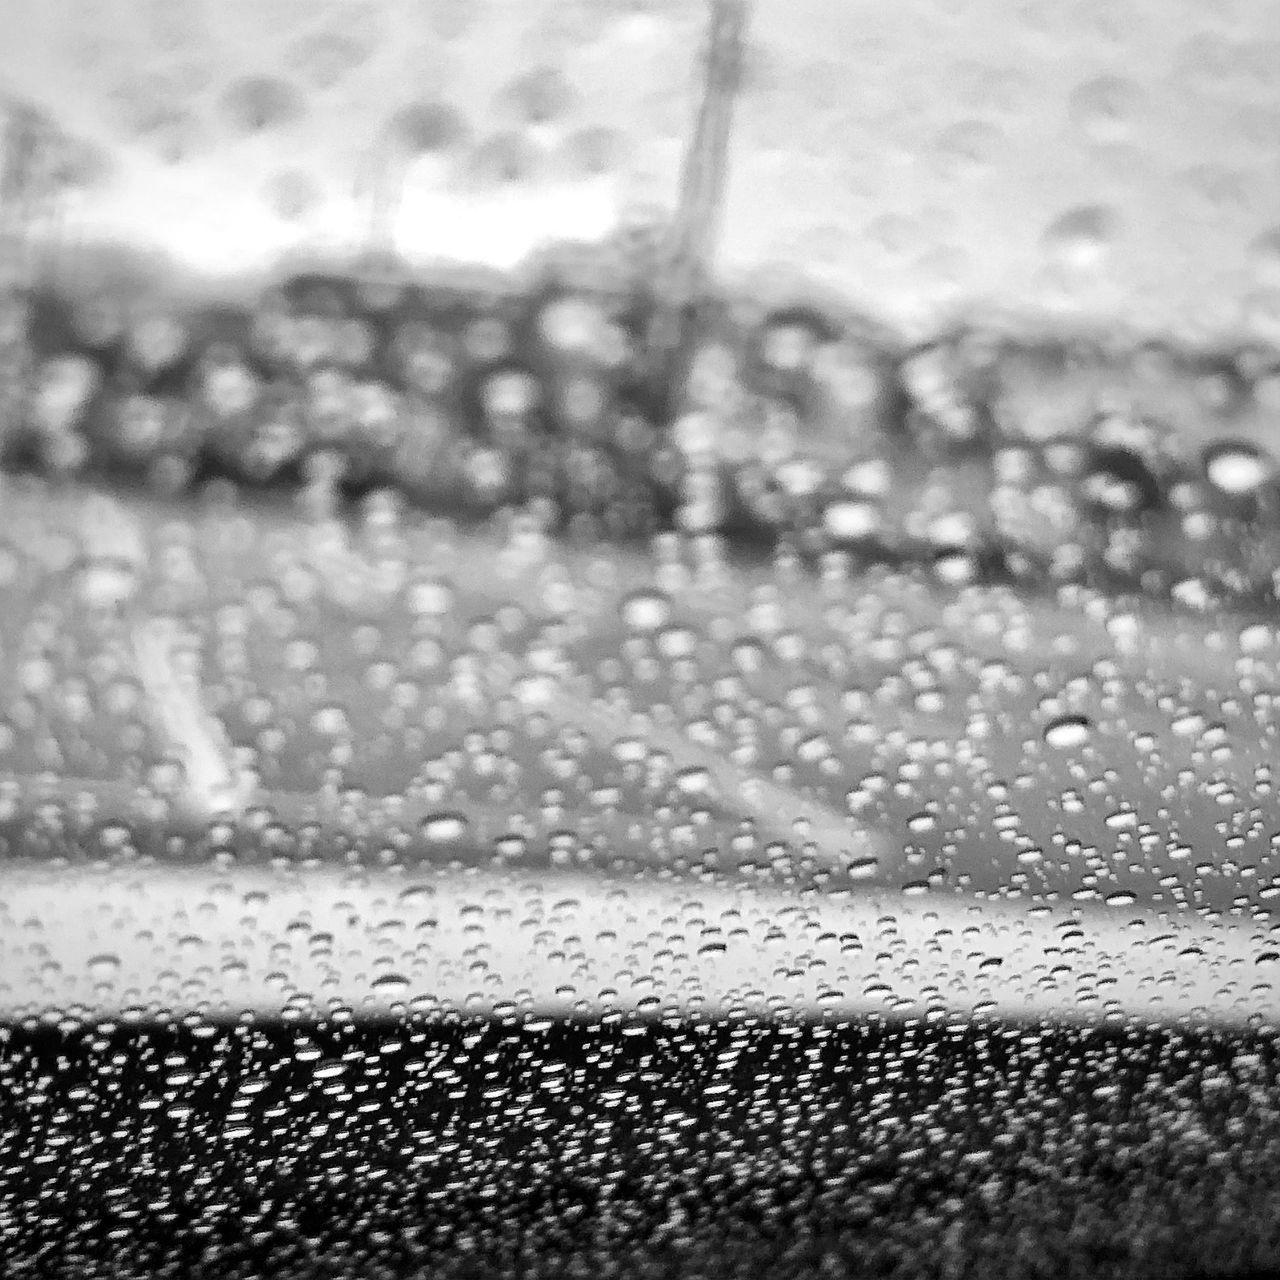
(702, 182)
(23, 144)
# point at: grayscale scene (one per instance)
(639, 638)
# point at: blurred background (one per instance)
(1111, 163)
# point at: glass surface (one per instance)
(638, 640)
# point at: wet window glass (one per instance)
(639, 639)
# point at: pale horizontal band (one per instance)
(97, 943)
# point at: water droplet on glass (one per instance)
(1238, 467)
(444, 828)
(694, 780)
(1080, 238)
(1103, 108)
(647, 610)
(103, 968)
(1068, 732)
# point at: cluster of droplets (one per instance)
(394, 689)
(983, 456)
(720, 1149)
(225, 688)
(558, 729)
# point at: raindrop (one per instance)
(594, 150)
(291, 194)
(1080, 238)
(1068, 732)
(323, 58)
(331, 721)
(966, 149)
(104, 968)
(1264, 257)
(647, 610)
(955, 567)
(426, 128)
(444, 828)
(502, 159)
(539, 96)
(450, 19)
(255, 104)
(1103, 108)
(1237, 467)
(694, 780)
(850, 521)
